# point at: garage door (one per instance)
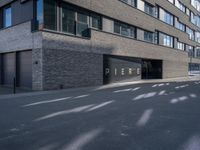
(117, 68)
(151, 69)
(8, 68)
(24, 69)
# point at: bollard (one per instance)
(14, 85)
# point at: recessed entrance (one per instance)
(151, 69)
(119, 69)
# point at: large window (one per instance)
(50, 13)
(124, 29)
(149, 36)
(179, 25)
(166, 40)
(180, 6)
(140, 5)
(7, 17)
(190, 50)
(190, 33)
(166, 17)
(180, 46)
(198, 52)
(197, 37)
(82, 23)
(195, 19)
(131, 2)
(68, 20)
(149, 9)
(77, 22)
(196, 4)
(96, 21)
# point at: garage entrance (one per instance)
(24, 69)
(151, 69)
(8, 68)
(117, 68)
(16, 65)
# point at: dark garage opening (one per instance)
(8, 68)
(24, 69)
(18, 66)
(121, 69)
(151, 69)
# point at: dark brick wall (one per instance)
(71, 69)
(37, 65)
(1, 69)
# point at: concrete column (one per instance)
(37, 69)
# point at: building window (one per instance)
(117, 27)
(140, 5)
(50, 14)
(149, 36)
(190, 33)
(39, 11)
(96, 21)
(196, 4)
(197, 37)
(68, 20)
(180, 6)
(82, 24)
(166, 40)
(130, 2)
(124, 29)
(187, 12)
(171, 1)
(179, 25)
(166, 17)
(190, 50)
(198, 52)
(180, 46)
(77, 22)
(7, 17)
(149, 9)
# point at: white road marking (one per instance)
(82, 140)
(193, 95)
(146, 95)
(145, 117)
(123, 90)
(81, 96)
(47, 101)
(74, 110)
(99, 106)
(179, 99)
(135, 89)
(162, 93)
(160, 85)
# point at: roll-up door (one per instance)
(8, 68)
(24, 69)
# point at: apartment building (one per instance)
(53, 44)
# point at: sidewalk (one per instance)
(179, 79)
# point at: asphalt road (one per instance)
(163, 116)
